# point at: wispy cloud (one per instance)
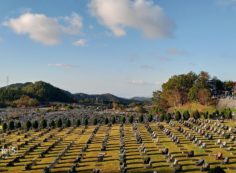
(146, 67)
(44, 29)
(140, 82)
(143, 15)
(59, 65)
(81, 42)
(226, 2)
(176, 52)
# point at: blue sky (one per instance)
(128, 48)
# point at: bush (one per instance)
(59, 123)
(78, 123)
(85, 121)
(52, 124)
(11, 125)
(28, 125)
(196, 115)
(123, 120)
(113, 120)
(95, 121)
(106, 121)
(18, 125)
(186, 115)
(131, 119)
(150, 118)
(4, 127)
(44, 124)
(68, 123)
(205, 115)
(177, 116)
(161, 117)
(141, 118)
(35, 124)
(168, 117)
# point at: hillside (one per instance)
(31, 94)
(102, 99)
(41, 91)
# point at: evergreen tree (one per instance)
(59, 123)
(141, 118)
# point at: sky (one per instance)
(124, 47)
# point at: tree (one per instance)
(85, 121)
(186, 115)
(52, 124)
(113, 120)
(131, 119)
(4, 127)
(78, 123)
(35, 124)
(177, 116)
(141, 118)
(228, 114)
(161, 117)
(196, 115)
(106, 120)
(95, 121)
(150, 118)
(18, 125)
(28, 125)
(44, 124)
(123, 120)
(168, 117)
(11, 125)
(206, 115)
(59, 123)
(68, 123)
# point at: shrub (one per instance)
(68, 123)
(150, 118)
(18, 125)
(11, 125)
(113, 120)
(4, 127)
(59, 123)
(177, 116)
(85, 121)
(95, 121)
(162, 117)
(28, 125)
(52, 124)
(186, 115)
(123, 120)
(196, 115)
(141, 118)
(131, 119)
(168, 117)
(106, 121)
(44, 124)
(35, 124)
(78, 123)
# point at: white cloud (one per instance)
(44, 29)
(81, 42)
(142, 15)
(146, 67)
(140, 82)
(176, 52)
(62, 65)
(227, 2)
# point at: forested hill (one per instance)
(33, 93)
(102, 99)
